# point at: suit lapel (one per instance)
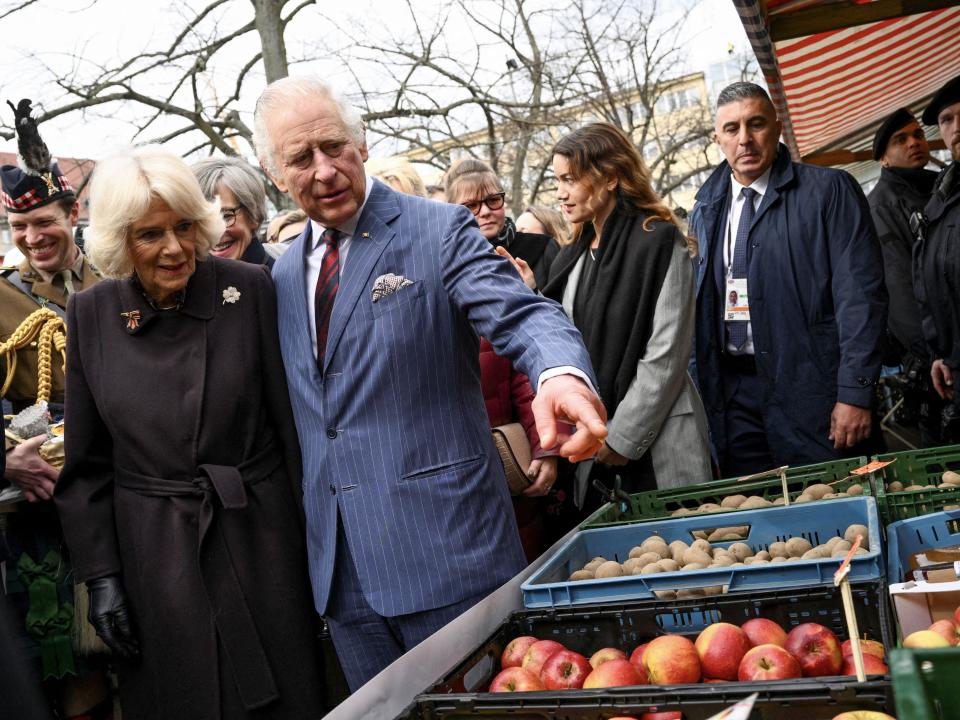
(369, 240)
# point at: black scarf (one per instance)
(618, 316)
(531, 247)
(920, 179)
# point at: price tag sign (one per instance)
(840, 577)
(872, 467)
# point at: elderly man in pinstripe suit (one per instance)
(381, 301)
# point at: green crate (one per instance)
(925, 683)
(917, 467)
(659, 504)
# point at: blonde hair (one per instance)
(553, 222)
(399, 174)
(283, 220)
(122, 188)
(469, 176)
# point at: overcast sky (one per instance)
(101, 31)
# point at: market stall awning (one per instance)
(837, 68)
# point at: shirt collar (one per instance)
(760, 184)
(349, 226)
(76, 267)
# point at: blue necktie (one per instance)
(737, 329)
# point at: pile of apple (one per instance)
(758, 650)
(755, 502)
(942, 633)
(654, 555)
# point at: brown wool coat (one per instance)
(15, 306)
(158, 419)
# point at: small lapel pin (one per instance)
(365, 234)
(230, 295)
(133, 319)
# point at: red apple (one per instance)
(515, 679)
(946, 629)
(671, 660)
(872, 665)
(515, 650)
(721, 646)
(761, 631)
(768, 662)
(538, 653)
(925, 639)
(636, 659)
(863, 715)
(606, 654)
(869, 647)
(613, 673)
(565, 669)
(816, 648)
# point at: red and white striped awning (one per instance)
(834, 87)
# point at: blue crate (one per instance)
(907, 537)
(817, 522)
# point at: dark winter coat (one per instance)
(182, 476)
(817, 303)
(897, 195)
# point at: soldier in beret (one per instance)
(42, 210)
(937, 259)
(904, 187)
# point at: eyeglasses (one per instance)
(494, 202)
(229, 214)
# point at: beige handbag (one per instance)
(514, 448)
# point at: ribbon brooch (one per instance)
(133, 319)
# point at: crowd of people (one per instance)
(271, 436)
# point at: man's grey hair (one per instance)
(740, 91)
(239, 177)
(285, 93)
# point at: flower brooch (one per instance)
(231, 295)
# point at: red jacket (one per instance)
(507, 394)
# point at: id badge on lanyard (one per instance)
(736, 303)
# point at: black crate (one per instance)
(586, 629)
(793, 700)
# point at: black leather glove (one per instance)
(111, 618)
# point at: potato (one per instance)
(797, 546)
(636, 551)
(947, 486)
(839, 552)
(851, 534)
(632, 564)
(804, 498)
(649, 557)
(724, 561)
(755, 560)
(702, 545)
(679, 512)
(696, 555)
(779, 501)
(762, 555)
(699, 535)
(609, 569)
(830, 496)
(665, 594)
(833, 541)
(650, 569)
(731, 536)
(855, 490)
(692, 566)
(916, 487)
(951, 477)
(861, 551)
(734, 501)
(843, 546)
(817, 491)
(708, 507)
(755, 501)
(951, 507)
(793, 559)
(688, 593)
(656, 544)
(895, 486)
(812, 554)
(594, 564)
(778, 549)
(581, 575)
(677, 549)
(668, 565)
(779, 558)
(713, 590)
(717, 534)
(740, 551)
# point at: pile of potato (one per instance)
(754, 502)
(655, 555)
(949, 481)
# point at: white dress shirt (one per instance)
(730, 239)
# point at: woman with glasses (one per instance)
(473, 184)
(627, 281)
(180, 495)
(243, 207)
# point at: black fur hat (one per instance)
(36, 180)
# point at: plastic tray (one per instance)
(907, 537)
(917, 467)
(587, 629)
(659, 504)
(817, 522)
(925, 683)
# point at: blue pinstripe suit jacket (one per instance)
(394, 433)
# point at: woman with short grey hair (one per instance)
(243, 206)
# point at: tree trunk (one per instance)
(270, 29)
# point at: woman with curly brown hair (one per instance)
(627, 282)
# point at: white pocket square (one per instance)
(387, 285)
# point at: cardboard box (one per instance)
(918, 604)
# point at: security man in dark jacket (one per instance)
(904, 187)
(937, 259)
(788, 369)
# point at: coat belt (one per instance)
(222, 488)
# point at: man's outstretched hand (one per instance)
(563, 400)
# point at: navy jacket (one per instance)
(818, 304)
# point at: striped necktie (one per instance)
(326, 290)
